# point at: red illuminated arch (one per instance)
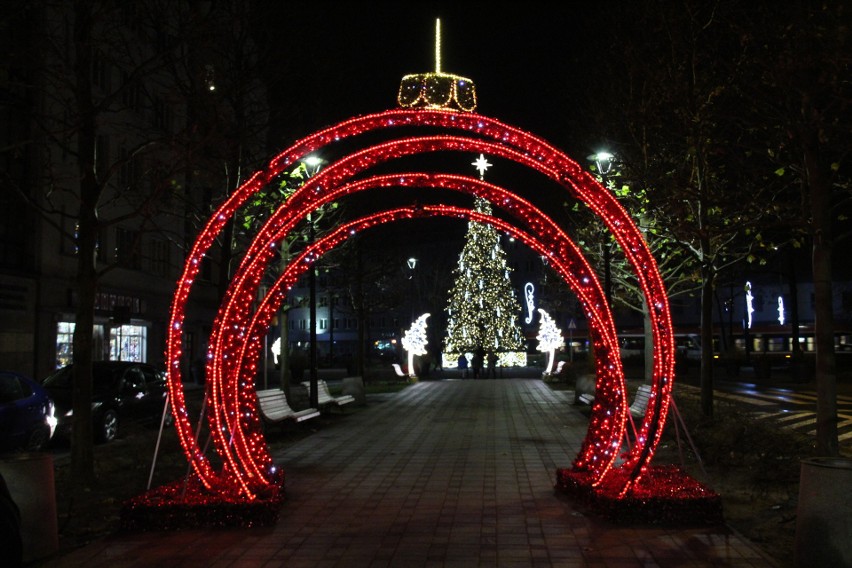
(494, 138)
(566, 259)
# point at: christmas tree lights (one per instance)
(482, 308)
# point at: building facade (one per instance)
(151, 91)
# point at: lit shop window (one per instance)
(128, 343)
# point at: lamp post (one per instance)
(603, 161)
(412, 264)
(312, 165)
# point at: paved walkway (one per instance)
(443, 474)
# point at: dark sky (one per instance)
(347, 59)
(334, 61)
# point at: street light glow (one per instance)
(603, 160)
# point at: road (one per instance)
(789, 408)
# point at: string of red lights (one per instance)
(232, 417)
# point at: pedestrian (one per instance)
(476, 363)
(463, 365)
(492, 364)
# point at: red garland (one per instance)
(187, 504)
(244, 474)
(665, 495)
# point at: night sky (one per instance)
(347, 59)
(339, 60)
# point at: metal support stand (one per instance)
(688, 437)
(159, 438)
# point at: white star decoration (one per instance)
(481, 165)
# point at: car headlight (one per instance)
(95, 406)
(50, 418)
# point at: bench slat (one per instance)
(640, 403)
(324, 396)
(274, 407)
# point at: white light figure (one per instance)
(549, 339)
(781, 310)
(749, 303)
(482, 165)
(276, 350)
(529, 295)
(414, 341)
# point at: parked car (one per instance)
(122, 392)
(27, 420)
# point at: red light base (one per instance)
(187, 504)
(665, 495)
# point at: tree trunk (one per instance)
(707, 341)
(82, 439)
(649, 343)
(793, 308)
(826, 380)
(284, 353)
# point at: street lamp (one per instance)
(312, 166)
(603, 162)
(412, 264)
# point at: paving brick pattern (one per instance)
(453, 473)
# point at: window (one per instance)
(102, 154)
(128, 343)
(68, 241)
(160, 257)
(130, 93)
(126, 248)
(129, 171)
(163, 117)
(100, 70)
(64, 343)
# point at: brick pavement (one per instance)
(447, 473)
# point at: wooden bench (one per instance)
(637, 409)
(274, 407)
(640, 403)
(324, 397)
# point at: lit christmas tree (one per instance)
(482, 309)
